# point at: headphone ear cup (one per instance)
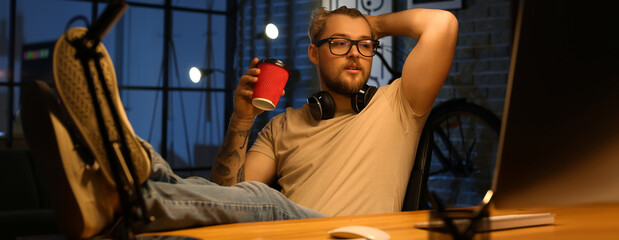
(362, 98)
(321, 106)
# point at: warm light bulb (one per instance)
(195, 74)
(271, 31)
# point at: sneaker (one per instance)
(84, 201)
(73, 89)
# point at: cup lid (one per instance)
(273, 61)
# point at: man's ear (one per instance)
(312, 52)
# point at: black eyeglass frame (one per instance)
(353, 42)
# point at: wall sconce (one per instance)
(271, 31)
(195, 74)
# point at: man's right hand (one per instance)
(243, 106)
(244, 91)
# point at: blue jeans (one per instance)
(177, 202)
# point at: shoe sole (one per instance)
(83, 200)
(73, 90)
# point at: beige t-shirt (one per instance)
(348, 165)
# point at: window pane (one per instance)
(204, 5)
(195, 128)
(151, 2)
(5, 22)
(135, 45)
(4, 108)
(199, 40)
(143, 109)
(43, 22)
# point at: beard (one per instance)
(342, 87)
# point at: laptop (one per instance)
(559, 141)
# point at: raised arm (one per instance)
(427, 65)
(229, 167)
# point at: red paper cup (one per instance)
(271, 82)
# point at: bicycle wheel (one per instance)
(464, 138)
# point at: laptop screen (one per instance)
(559, 142)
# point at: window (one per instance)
(184, 121)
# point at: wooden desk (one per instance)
(583, 222)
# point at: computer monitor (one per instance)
(559, 142)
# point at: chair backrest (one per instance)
(415, 192)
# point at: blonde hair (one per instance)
(320, 16)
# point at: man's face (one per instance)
(348, 73)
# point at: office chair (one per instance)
(415, 199)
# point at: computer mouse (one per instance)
(363, 232)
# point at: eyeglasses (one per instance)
(341, 46)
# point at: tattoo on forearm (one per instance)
(230, 156)
(229, 151)
(246, 133)
(221, 169)
(240, 176)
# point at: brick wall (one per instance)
(479, 74)
(481, 62)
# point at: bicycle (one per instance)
(464, 144)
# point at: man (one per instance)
(67, 140)
(352, 163)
